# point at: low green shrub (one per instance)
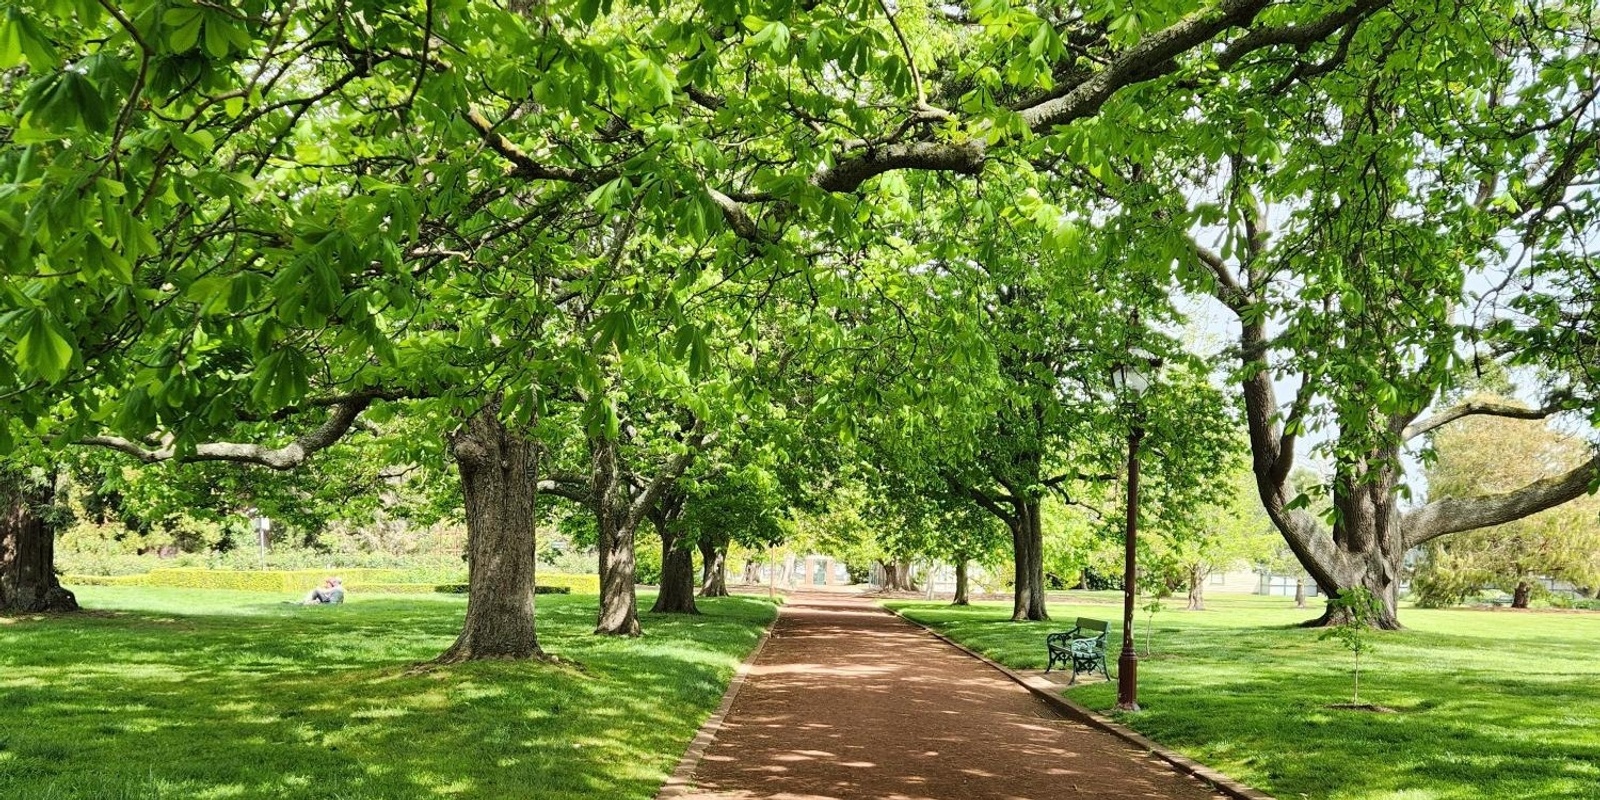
(376, 581)
(576, 584)
(404, 588)
(104, 580)
(299, 580)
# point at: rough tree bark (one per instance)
(714, 566)
(1197, 589)
(1027, 543)
(897, 576)
(497, 469)
(619, 612)
(28, 580)
(961, 583)
(677, 559)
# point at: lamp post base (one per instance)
(1128, 681)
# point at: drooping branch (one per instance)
(1456, 514)
(341, 418)
(1477, 408)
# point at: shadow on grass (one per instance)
(241, 698)
(1487, 708)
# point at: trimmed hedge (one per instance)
(105, 580)
(374, 580)
(298, 580)
(577, 584)
(440, 588)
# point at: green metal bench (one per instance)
(1084, 647)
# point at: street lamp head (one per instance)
(1132, 377)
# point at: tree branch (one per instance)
(524, 165)
(342, 416)
(1456, 514)
(697, 440)
(847, 175)
(1154, 56)
(1300, 37)
(1475, 408)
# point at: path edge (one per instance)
(681, 782)
(1082, 713)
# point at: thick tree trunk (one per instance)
(713, 566)
(902, 568)
(498, 483)
(28, 580)
(752, 572)
(1521, 595)
(1365, 547)
(677, 575)
(619, 612)
(897, 576)
(1197, 589)
(961, 583)
(1027, 544)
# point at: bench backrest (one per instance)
(1087, 625)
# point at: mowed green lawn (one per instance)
(1492, 704)
(186, 693)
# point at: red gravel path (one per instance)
(848, 701)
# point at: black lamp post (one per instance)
(1131, 380)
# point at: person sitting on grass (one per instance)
(331, 592)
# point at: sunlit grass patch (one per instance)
(1491, 704)
(182, 693)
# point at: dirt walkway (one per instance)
(847, 701)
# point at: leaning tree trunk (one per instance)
(677, 574)
(713, 566)
(1027, 546)
(1521, 594)
(28, 580)
(619, 611)
(1197, 589)
(961, 583)
(497, 470)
